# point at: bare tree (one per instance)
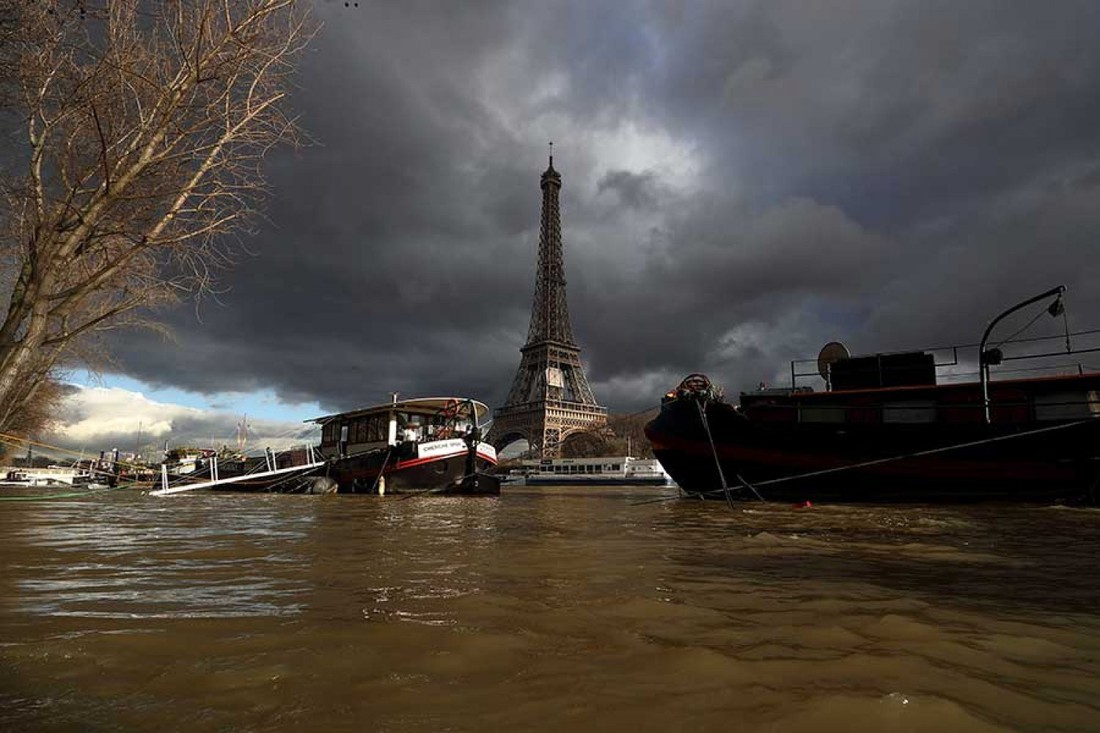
(141, 127)
(37, 416)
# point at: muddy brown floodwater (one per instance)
(544, 610)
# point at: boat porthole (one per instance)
(441, 467)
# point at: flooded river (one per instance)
(544, 610)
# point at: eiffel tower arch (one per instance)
(550, 397)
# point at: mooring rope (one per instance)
(714, 452)
(374, 486)
(878, 461)
(928, 452)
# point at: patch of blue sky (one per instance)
(258, 405)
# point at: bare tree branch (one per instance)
(147, 125)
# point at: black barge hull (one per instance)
(1040, 463)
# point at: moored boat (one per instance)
(605, 471)
(425, 445)
(87, 474)
(415, 445)
(885, 429)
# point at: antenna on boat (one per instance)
(242, 433)
(830, 354)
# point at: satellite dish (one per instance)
(831, 353)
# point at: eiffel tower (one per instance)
(550, 397)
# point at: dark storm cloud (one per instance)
(636, 190)
(743, 182)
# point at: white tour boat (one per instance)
(608, 471)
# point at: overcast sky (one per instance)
(743, 182)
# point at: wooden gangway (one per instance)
(272, 474)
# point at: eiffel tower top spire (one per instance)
(550, 172)
(550, 314)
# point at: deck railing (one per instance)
(959, 363)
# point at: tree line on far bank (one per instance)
(624, 435)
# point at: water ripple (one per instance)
(545, 610)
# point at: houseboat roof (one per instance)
(419, 404)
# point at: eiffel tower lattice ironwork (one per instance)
(550, 397)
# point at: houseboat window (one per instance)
(377, 428)
(358, 431)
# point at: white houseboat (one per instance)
(413, 445)
(74, 476)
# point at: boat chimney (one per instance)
(391, 436)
